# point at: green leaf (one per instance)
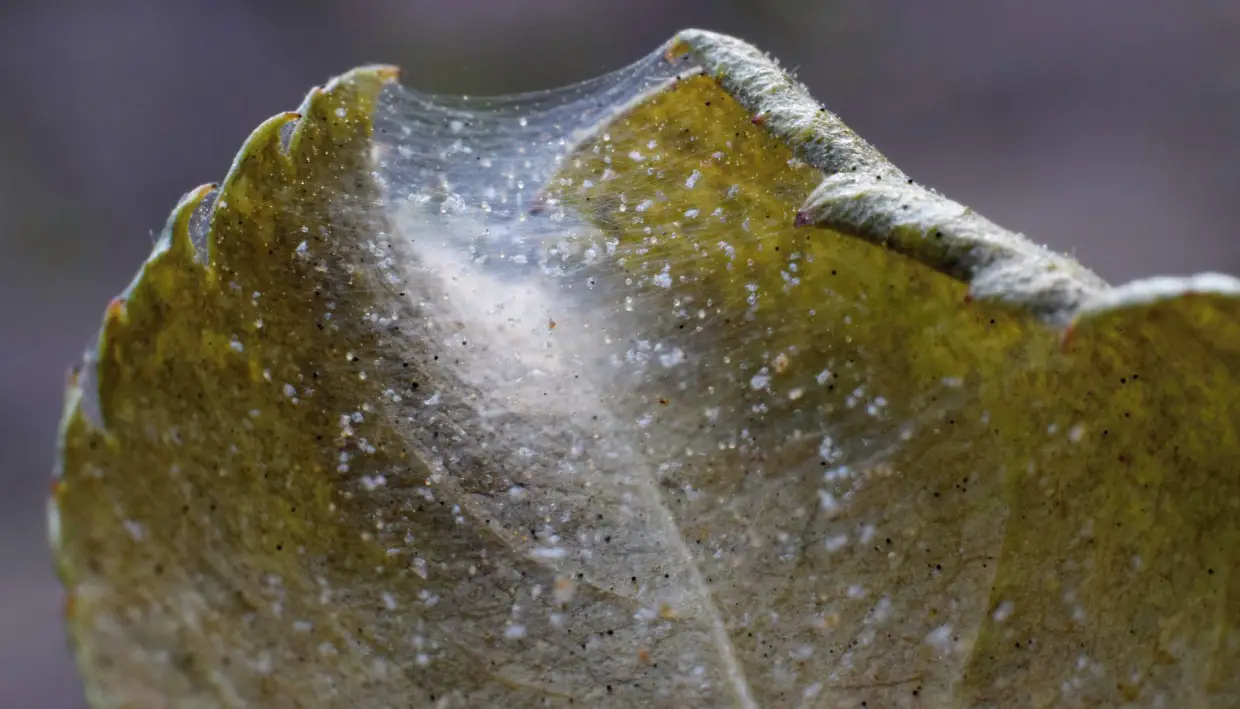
(661, 390)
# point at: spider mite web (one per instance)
(622, 345)
(497, 188)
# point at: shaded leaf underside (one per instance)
(744, 439)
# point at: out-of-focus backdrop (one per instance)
(1104, 128)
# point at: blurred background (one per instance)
(1107, 129)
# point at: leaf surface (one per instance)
(661, 390)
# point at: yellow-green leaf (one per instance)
(661, 390)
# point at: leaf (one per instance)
(661, 390)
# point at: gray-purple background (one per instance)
(1108, 128)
